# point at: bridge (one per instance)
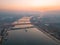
(22, 23)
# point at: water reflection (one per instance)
(4, 32)
(32, 37)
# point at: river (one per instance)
(29, 36)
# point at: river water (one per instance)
(31, 36)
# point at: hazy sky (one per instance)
(30, 4)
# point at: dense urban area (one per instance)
(49, 23)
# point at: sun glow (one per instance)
(29, 4)
(43, 3)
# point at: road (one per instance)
(31, 36)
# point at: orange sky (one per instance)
(30, 5)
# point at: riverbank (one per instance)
(56, 40)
